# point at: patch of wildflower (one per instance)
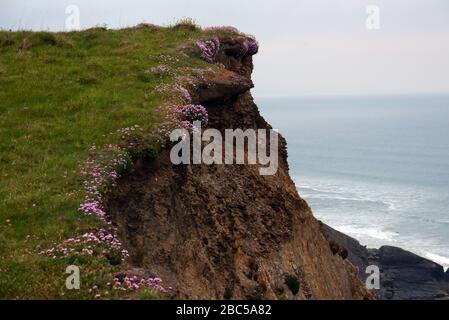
(160, 71)
(128, 284)
(101, 242)
(251, 45)
(132, 283)
(128, 137)
(101, 172)
(209, 48)
(172, 124)
(128, 131)
(191, 113)
(168, 58)
(182, 117)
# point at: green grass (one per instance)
(59, 94)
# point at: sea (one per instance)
(373, 167)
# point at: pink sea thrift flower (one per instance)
(183, 117)
(251, 46)
(191, 113)
(209, 48)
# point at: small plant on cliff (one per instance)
(186, 24)
(191, 113)
(251, 45)
(209, 48)
(183, 117)
(292, 283)
(96, 243)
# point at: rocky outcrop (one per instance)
(403, 275)
(221, 87)
(225, 231)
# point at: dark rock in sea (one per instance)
(403, 275)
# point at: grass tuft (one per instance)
(48, 38)
(148, 294)
(187, 24)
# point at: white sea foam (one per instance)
(342, 197)
(383, 182)
(371, 213)
(374, 233)
(393, 197)
(444, 261)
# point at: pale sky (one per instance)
(307, 47)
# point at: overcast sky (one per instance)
(308, 47)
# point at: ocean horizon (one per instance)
(373, 167)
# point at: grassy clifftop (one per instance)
(60, 93)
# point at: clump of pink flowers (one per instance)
(183, 117)
(251, 45)
(101, 172)
(191, 113)
(209, 48)
(132, 283)
(161, 70)
(100, 242)
(128, 284)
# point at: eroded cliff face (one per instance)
(225, 231)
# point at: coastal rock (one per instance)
(403, 275)
(221, 87)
